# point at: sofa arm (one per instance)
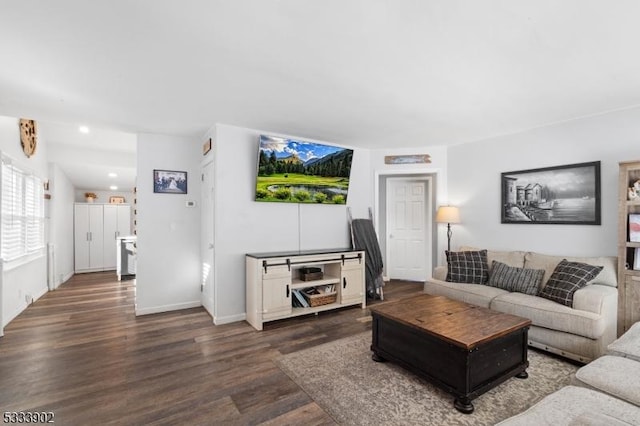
(440, 273)
(602, 300)
(599, 299)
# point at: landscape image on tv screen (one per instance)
(293, 171)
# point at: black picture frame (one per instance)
(562, 195)
(169, 182)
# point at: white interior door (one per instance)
(206, 242)
(407, 248)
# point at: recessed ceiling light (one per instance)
(113, 187)
(112, 175)
(83, 129)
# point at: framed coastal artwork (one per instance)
(169, 182)
(567, 195)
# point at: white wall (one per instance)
(436, 171)
(438, 163)
(61, 223)
(26, 277)
(474, 183)
(26, 280)
(168, 268)
(243, 225)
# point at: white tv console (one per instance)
(273, 277)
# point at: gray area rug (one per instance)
(341, 377)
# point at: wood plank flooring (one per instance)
(81, 353)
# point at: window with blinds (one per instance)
(22, 200)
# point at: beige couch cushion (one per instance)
(614, 375)
(511, 258)
(548, 314)
(475, 294)
(608, 275)
(595, 298)
(627, 345)
(573, 405)
(440, 273)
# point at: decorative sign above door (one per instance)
(407, 159)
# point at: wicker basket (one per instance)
(320, 299)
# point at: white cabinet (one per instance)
(117, 223)
(96, 227)
(276, 283)
(88, 237)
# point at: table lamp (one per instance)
(448, 215)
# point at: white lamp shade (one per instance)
(448, 214)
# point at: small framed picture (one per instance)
(206, 147)
(634, 228)
(116, 199)
(169, 182)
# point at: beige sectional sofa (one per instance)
(604, 392)
(581, 332)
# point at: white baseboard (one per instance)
(208, 308)
(217, 320)
(41, 293)
(167, 308)
(17, 311)
(65, 279)
(23, 305)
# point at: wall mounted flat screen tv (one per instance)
(294, 171)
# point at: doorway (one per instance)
(405, 211)
(206, 240)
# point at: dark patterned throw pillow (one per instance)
(567, 278)
(511, 278)
(467, 267)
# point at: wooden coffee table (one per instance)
(464, 349)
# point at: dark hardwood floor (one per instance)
(81, 353)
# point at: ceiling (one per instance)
(365, 73)
(88, 159)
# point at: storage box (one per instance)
(310, 274)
